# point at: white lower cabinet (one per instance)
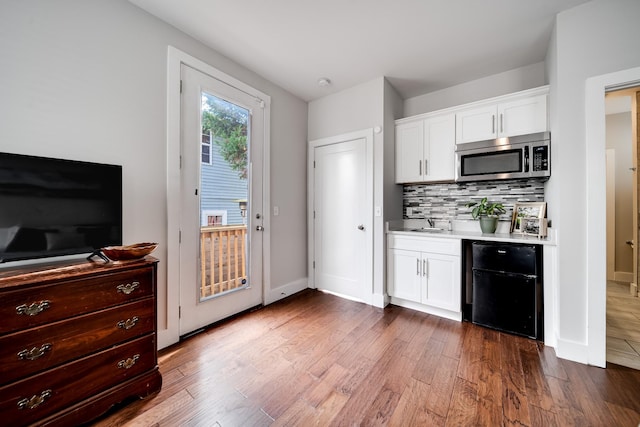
(426, 271)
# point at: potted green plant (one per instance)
(487, 213)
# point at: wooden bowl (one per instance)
(129, 252)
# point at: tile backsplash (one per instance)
(447, 201)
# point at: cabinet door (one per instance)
(409, 151)
(439, 143)
(442, 287)
(405, 274)
(476, 124)
(523, 116)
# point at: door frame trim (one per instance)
(367, 135)
(596, 295)
(169, 327)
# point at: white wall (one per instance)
(86, 80)
(487, 87)
(619, 139)
(366, 106)
(393, 109)
(593, 39)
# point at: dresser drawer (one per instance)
(36, 397)
(35, 306)
(34, 350)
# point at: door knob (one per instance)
(361, 227)
(259, 228)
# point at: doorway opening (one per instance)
(623, 304)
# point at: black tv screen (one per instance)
(54, 207)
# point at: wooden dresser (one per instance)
(76, 338)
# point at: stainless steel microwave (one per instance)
(518, 157)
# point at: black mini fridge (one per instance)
(507, 288)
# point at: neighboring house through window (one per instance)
(213, 217)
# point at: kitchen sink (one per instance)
(428, 230)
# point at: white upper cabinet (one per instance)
(476, 124)
(518, 114)
(439, 142)
(409, 151)
(425, 149)
(523, 116)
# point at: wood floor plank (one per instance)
(550, 363)
(442, 386)
(411, 404)
(325, 386)
(586, 394)
(541, 417)
(538, 393)
(623, 416)
(471, 359)
(489, 409)
(567, 412)
(426, 367)
(382, 408)
(464, 404)
(515, 406)
(318, 360)
(363, 396)
(416, 347)
(362, 324)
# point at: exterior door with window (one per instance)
(221, 210)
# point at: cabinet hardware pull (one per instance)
(128, 324)
(34, 353)
(419, 167)
(426, 169)
(128, 363)
(35, 400)
(424, 267)
(418, 266)
(501, 124)
(493, 123)
(33, 308)
(128, 288)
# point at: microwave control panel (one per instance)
(540, 158)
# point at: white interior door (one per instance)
(220, 263)
(342, 223)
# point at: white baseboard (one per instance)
(623, 276)
(285, 290)
(447, 314)
(380, 300)
(571, 350)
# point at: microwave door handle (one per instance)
(526, 158)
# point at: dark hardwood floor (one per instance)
(318, 360)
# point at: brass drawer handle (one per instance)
(33, 308)
(128, 324)
(35, 400)
(34, 353)
(128, 363)
(128, 288)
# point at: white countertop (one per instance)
(465, 230)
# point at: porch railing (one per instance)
(223, 259)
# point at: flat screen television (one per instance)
(54, 207)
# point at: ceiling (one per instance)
(420, 45)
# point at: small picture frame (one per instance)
(528, 210)
(533, 226)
